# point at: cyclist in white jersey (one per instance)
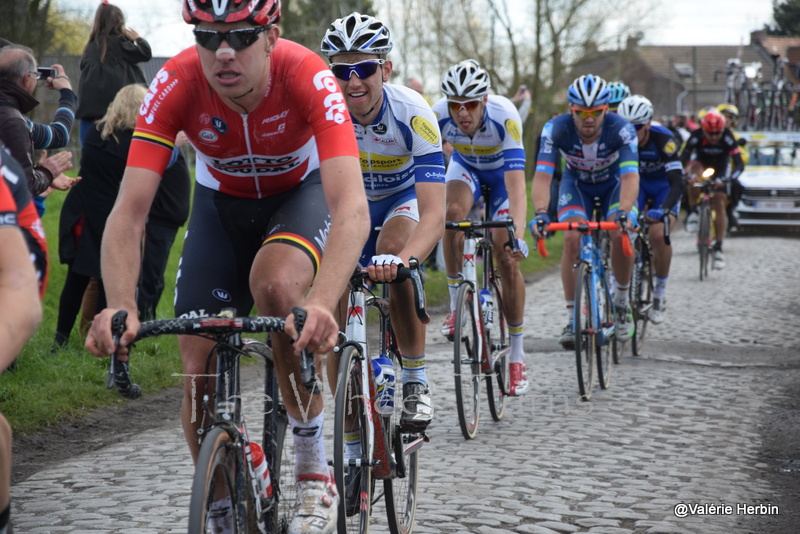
(486, 134)
(403, 169)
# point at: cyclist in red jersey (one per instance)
(278, 180)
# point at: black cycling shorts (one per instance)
(225, 233)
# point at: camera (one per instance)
(46, 72)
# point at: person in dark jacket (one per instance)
(88, 204)
(110, 61)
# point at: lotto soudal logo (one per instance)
(335, 109)
(221, 294)
(219, 125)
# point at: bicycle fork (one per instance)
(469, 273)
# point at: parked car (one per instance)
(771, 180)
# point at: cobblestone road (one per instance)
(678, 425)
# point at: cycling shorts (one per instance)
(654, 192)
(576, 199)
(402, 204)
(495, 179)
(226, 232)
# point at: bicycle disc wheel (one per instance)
(703, 238)
(642, 297)
(498, 381)
(466, 362)
(605, 343)
(353, 512)
(584, 333)
(278, 449)
(214, 479)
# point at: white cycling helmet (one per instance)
(466, 79)
(357, 33)
(636, 109)
(588, 91)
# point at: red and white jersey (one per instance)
(301, 121)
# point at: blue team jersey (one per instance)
(659, 155)
(614, 153)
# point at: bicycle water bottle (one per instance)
(384, 383)
(487, 307)
(263, 478)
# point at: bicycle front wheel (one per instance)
(350, 422)
(641, 296)
(704, 239)
(466, 361)
(278, 449)
(497, 382)
(605, 342)
(401, 491)
(218, 466)
(583, 323)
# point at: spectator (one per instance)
(18, 77)
(416, 85)
(110, 62)
(523, 100)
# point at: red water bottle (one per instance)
(262, 471)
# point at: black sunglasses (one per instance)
(363, 69)
(236, 39)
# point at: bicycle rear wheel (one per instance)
(466, 362)
(704, 239)
(350, 415)
(498, 380)
(605, 342)
(584, 332)
(641, 296)
(215, 477)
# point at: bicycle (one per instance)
(593, 319)
(481, 342)
(225, 464)
(388, 452)
(705, 213)
(641, 290)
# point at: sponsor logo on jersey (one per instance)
(670, 148)
(156, 94)
(8, 219)
(335, 108)
(219, 125)
(208, 135)
(246, 165)
(513, 130)
(281, 115)
(473, 150)
(378, 163)
(425, 129)
(380, 129)
(221, 294)
(194, 314)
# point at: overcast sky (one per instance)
(685, 22)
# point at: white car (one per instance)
(771, 180)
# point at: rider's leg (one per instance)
(718, 202)
(460, 199)
(513, 293)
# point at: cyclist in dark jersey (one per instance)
(660, 188)
(278, 181)
(712, 146)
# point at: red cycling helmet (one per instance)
(713, 122)
(258, 12)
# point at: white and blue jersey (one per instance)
(591, 170)
(660, 171)
(484, 158)
(401, 148)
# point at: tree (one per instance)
(44, 27)
(787, 18)
(305, 21)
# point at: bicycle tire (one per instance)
(466, 362)
(218, 462)
(605, 342)
(703, 238)
(642, 296)
(349, 400)
(584, 336)
(400, 490)
(497, 339)
(279, 453)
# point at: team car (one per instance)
(771, 180)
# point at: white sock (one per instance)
(621, 295)
(660, 286)
(352, 443)
(515, 333)
(414, 370)
(452, 287)
(570, 311)
(309, 447)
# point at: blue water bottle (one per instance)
(487, 307)
(384, 384)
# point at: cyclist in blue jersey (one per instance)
(600, 150)
(619, 91)
(486, 135)
(660, 188)
(403, 170)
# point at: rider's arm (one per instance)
(629, 171)
(430, 191)
(738, 164)
(517, 201)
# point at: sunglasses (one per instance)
(468, 105)
(591, 112)
(638, 126)
(236, 39)
(363, 69)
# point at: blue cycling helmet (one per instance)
(588, 91)
(619, 92)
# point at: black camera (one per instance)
(46, 72)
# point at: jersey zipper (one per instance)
(250, 153)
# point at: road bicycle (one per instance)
(225, 464)
(641, 289)
(593, 319)
(365, 405)
(706, 216)
(481, 343)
